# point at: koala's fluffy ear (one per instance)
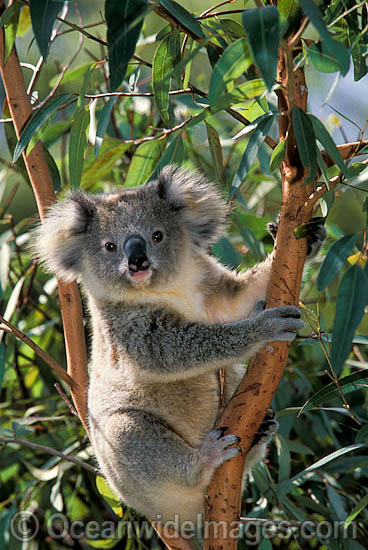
(60, 240)
(200, 203)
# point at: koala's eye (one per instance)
(110, 247)
(157, 236)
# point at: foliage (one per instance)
(193, 94)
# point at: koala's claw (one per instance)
(266, 430)
(215, 450)
(280, 323)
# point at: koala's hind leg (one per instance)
(155, 470)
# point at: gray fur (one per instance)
(159, 337)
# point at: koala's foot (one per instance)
(266, 430)
(215, 451)
(261, 441)
(276, 324)
(315, 237)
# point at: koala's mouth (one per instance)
(139, 276)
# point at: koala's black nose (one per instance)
(135, 251)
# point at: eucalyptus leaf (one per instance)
(43, 16)
(77, 146)
(278, 155)
(36, 121)
(306, 141)
(263, 32)
(124, 22)
(143, 162)
(352, 298)
(335, 259)
(263, 126)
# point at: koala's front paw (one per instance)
(214, 450)
(279, 324)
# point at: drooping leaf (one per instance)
(226, 253)
(174, 154)
(362, 435)
(306, 141)
(124, 20)
(161, 77)
(180, 14)
(9, 21)
(143, 162)
(326, 140)
(233, 63)
(251, 242)
(263, 32)
(96, 170)
(103, 123)
(216, 152)
(2, 363)
(77, 146)
(43, 15)
(351, 300)
(335, 260)
(348, 384)
(326, 202)
(283, 454)
(321, 58)
(290, 16)
(278, 155)
(36, 121)
(336, 49)
(263, 125)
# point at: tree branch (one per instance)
(41, 181)
(50, 451)
(249, 405)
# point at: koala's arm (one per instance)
(160, 345)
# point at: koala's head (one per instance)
(132, 238)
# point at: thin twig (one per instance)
(68, 403)
(40, 352)
(50, 451)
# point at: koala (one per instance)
(165, 316)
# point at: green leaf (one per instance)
(36, 121)
(174, 154)
(290, 16)
(109, 495)
(362, 435)
(43, 15)
(306, 141)
(326, 140)
(321, 58)
(143, 162)
(183, 16)
(216, 152)
(226, 253)
(359, 507)
(161, 77)
(95, 170)
(74, 75)
(335, 260)
(351, 300)
(124, 22)
(263, 125)
(233, 63)
(251, 241)
(9, 21)
(263, 32)
(77, 146)
(103, 123)
(335, 49)
(326, 202)
(246, 90)
(2, 363)
(283, 454)
(348, 384)
(87, 75)
(278, 155)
